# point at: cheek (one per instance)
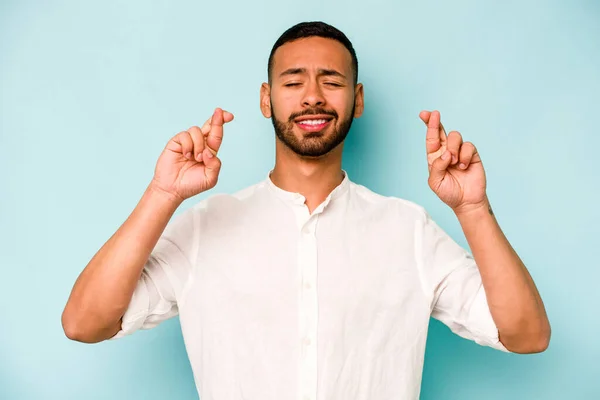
(342, 104)
(283, 106)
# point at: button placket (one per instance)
(308, 309)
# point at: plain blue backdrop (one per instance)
(90, 92)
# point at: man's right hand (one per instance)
(188, 165)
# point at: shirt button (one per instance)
(307, 286)
(307, 342)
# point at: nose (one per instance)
(313, 96)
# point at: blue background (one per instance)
(90, 92)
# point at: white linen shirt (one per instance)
(276, 303)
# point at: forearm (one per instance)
(104, 289)
(514, 301)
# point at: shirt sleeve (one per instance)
(453, 283)
(164, 276)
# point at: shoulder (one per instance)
(230, 204)
(393, 205)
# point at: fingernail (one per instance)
(445, 155)
(463, 166)
(209, 154)
(199, 157)
(188, 156)
(454, 159)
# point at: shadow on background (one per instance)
(159, 356)
(163, 350)
(373, 157)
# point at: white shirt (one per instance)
(276, 303)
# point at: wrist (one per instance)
(160, 195)
(477, 210)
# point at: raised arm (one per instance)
(102, 292)
(457, 176)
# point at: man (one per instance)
(307, 285)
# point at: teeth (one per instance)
(313, 121)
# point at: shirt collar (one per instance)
(297, 198)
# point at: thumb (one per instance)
(438, 169)
(212, 165)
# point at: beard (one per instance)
(313, 144)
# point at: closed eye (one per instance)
(333, 84)
(291, 84)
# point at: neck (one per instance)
(313, 178)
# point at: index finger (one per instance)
(227, 117)
(215, 134)
(436, 134)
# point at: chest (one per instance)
(272, 274)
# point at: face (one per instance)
(312, 99)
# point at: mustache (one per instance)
(313, 111)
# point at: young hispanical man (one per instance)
(307, 285)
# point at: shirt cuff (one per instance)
(136, 313)
(482, 325)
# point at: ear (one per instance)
(265, 100)
(359, 100)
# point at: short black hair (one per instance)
(311, 29)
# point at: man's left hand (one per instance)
(456, 173)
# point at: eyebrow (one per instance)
(320, 72)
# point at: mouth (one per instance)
(313, 123)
